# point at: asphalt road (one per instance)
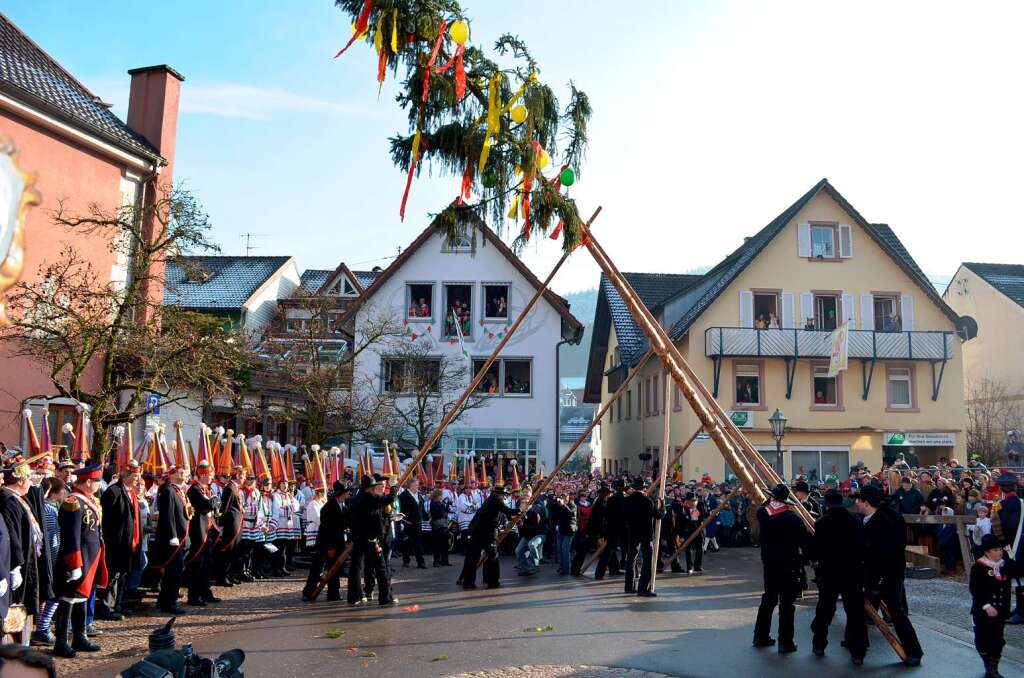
(698, 626)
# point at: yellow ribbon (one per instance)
(494, 112)
(394, 30)
(514, 209)
(378, 38)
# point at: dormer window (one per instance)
(823, 242)
(343, 288)
(460, 240)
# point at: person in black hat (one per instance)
(783, 538)
(171, 539)
(837, 549)
(640, 512)
(595, 532)
(1007, 525)
(990, 583)
(483, 532)
(370, 515)
(331, 539)
(802, 493)
(885, 540)
(689, 515)
(615, 528)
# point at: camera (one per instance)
(163, 661)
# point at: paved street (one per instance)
(698, 626)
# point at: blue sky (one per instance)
(709, 119)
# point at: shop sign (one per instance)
(919, 439)
(742, 418)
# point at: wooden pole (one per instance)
(342, 557)
(666, 436)
(704, 524)
(733, 445)
(677, 456)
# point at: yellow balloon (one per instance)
(542, 161)
(519, 114)
(459, 32)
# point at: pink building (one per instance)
(81, 154)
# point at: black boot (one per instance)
(79, 640)
(991, 667)
(61, 620)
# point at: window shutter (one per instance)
(787, 322)
(804, 240)
(867, 312)
(806, 308)
(907, 312)
(845, 241)
(746, 309)
(848, 311)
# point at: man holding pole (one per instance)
(640, 513)
(370, 515)
(482, 537)
(782, 536)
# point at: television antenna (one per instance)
(249, 247)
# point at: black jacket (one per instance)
(597, 523)
(34, 498)
(940, 497)
(171, 523)
(334, 521)
(23, 553)
(485, 522)
(369, 516)
(909, 501)
(410, 505)
(885, 540)
(640, 512)
(783, 538)
(203, 506)
(987, 590)
(118, 527)
(230, 516)
(838, 546)
(564, 517)
(685, 523)
(615, 514)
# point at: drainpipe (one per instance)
(558, 400)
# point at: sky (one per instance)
(709, 119)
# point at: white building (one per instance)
(484, 277)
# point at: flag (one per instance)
(840, 341)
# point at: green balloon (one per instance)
(567, 177)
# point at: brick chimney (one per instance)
(153, 113)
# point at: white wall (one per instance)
(261, 308)
(536, 338)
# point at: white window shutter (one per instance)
(804, 240)
(746, 308)
(806, 308)
(867, 312)
(907, 312)
(845, 241)
(787, 321)
(848, 311)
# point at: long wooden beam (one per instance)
(677, 456)
(666, 437)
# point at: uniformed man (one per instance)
(782, 537)
(171, 539)
(331, 539)
(122, 537)
(482, 536)
(990, 578)
(81, 565)
(837, 549)
(202, 533)
(639, 513)
(230, 526)
(802, 492)
(1007, 525)
(885, 540)
(27, 535)
(689, 516)
(371, 510)
(409, 502)
(615, 528)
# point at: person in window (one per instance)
(748, 394)
(500, 308)
(887, 323)
(773, 322)
(424, 308)
(809, 324)
(760, 324)
(897, 323)
(819, 398)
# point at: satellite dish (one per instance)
(967, 327)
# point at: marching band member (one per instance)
(172, 538)
(202, 533)
(122, 534)
(252, 531)
(230, 526)
(286, 509)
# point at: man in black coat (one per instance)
(783, 537)
(409, 503)
(908, 498)
(331, 539)
(371, 510)
(171, 543)
(689, 516)
(596, 530)
(122, 534)
(230, 526)
(885, 538)
(27, 536)
(202, 533)
(483, 533)
(837, 549)
(615, 530)
(640, 512)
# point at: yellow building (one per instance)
(756, 329)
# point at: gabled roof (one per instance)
(341, 270)
(315, 278)
(217, 283)
(572, 421)
(572, 327)
(34, 77)
(1007, 278)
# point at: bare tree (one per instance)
(991, 415)
(109, 344)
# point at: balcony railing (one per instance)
(747, 342)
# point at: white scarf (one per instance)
(996, 565)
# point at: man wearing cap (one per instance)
(689, 515)
(371, 511)
(81, 562)
(171, 539)
(782, 538)
(837, 549)
(66, 472)
(122, 536)
(990, 577)
(640, 511)
(482, 536)
(885, 540)
(1007, 524)
(201, 535)
(331, 539)
(230, 526)
(27, 534)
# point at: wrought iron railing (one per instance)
(749, 342)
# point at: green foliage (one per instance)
(453, 132)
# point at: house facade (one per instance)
(475, 287)
(756, 330)
(81, 155)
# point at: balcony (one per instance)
(934, 347)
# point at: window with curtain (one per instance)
(900, 394)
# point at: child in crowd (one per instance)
(991, 576)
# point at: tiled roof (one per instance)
(30, 74)
(1007, 278)
(215, 282)
(314, 278)
(653, 289)
(366, 278)
(572, 421)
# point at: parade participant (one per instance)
(251, 531)
(225, 551)
(331, 539)
(640, 511)
(1007, 524)
(171, 539)
(689, 517)
(466, 507)
(311, 513)
(409, 504)
(565, 518)
(81, 562)
(66, 472)
(439, 528)
(837, 549)
(802, 492)
(263, 530)
(483, 535)
(286, 508)
(54, 493)
(782, 536)
(615, 528)
(202, 533)
(27, 537)
(122, 535)
(990, 584)
(594, 531)
(885, 539)
(370, 513)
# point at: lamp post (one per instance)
(778, 424)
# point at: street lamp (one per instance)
(778, 424)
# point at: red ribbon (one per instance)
(361, 23)
(558, 230)
(467, 181)
(433, 58)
